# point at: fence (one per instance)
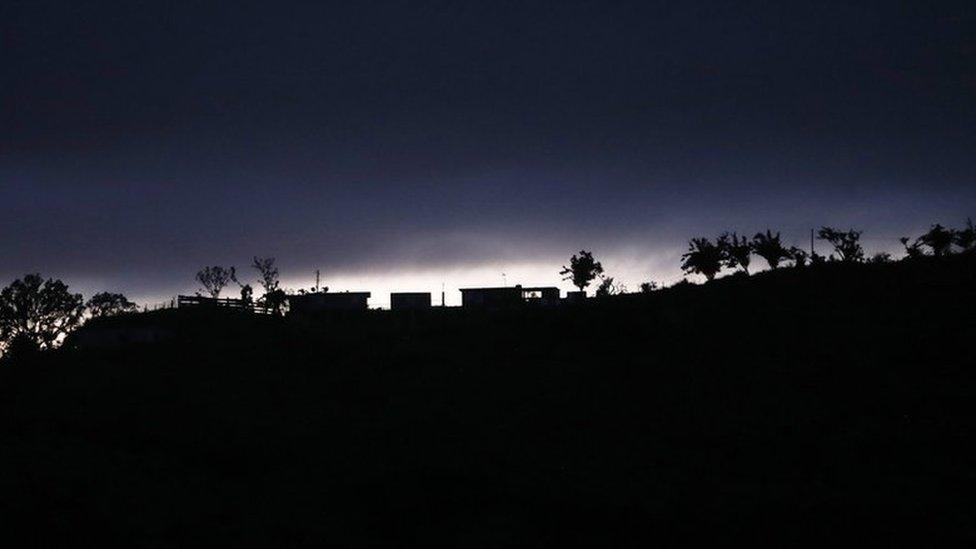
(226, 303)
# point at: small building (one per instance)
(509, 296)
(328, 301)
(409, 300)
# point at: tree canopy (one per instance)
(215, 278)
(582, 269)
(703, 257)
(109, 304)
(38, 312)
(769, 247)
(846, 244)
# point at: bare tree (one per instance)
(582, 270)
(702, 258)
(769, 247)
(268, 273)
(36, 313)
(214, 279)
(846, 244)
(736, 250)
(109, 304)
(274, 297)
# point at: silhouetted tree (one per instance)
(846, 244)
(702, 258)
(214, 279)
(799, 256)
(109, 304)
(938, 239)
(966, 238)
(36, 314)
(880, 258)
(275, 300)
(268, 273)
(247, 292)
(769, 247)
(736, 251)
(817, 259)
(582, 270)
(247, 296)
(608, 287)
(648, 287)
(912, 250)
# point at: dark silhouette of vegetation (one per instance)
(912, 249)
(582, 270)
(275, 300)
(247, 292)
(214, 279)
(938, 239)
(267, 272)
(799, 256)
(608, 287)
(736, 251)
(966, 238)
(648, 287)
(703, 257)
(880, 258)
(769, 247)
(247, 296)
(274, 297)
(846, 244)
(109, 304)
(36, 314)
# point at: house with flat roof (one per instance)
(509, 296)
(312, 303)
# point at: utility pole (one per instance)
(442, 294)
(504, 280)
(317, 281)
(812, 253)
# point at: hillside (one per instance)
(801, 406)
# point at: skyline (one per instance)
(424, 143)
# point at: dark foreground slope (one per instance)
(801, 407)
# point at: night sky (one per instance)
(412, 144)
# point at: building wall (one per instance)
(491, 297)
(339, 301)
(410, 300)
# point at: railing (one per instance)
(226, 303)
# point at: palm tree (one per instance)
(846, 244)
(769, 247)
(702, 258)
(736, 250)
